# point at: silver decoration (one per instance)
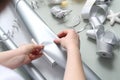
(3, 36)
(58, 12)
(34, 4)
(15, 28)
(97, 14)
(10, 33)
(41, 33)
(37, 4)
(113, 17)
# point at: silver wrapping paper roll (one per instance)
(30, 69)
(42, 34)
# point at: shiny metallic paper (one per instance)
(43, 35)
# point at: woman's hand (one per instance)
(20, 56)
(31, 51)
(68, 39)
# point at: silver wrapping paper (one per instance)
(30, 69)
(43, 35)
(40, 32)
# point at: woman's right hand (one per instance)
(68, 39)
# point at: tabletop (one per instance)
(106, 69)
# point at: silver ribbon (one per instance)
(58, 12)
(105, 40)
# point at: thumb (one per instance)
(57, 41)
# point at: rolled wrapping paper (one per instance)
(32, 71)
(42, 34)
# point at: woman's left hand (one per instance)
(22, 55)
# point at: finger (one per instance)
(62, 34)
(31, 45)
(37, 50)
(40, 47)
(31, 49)
(38, 56)
(32, 57)
(26, 46)
(57, 41)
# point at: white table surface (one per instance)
(106, 69)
